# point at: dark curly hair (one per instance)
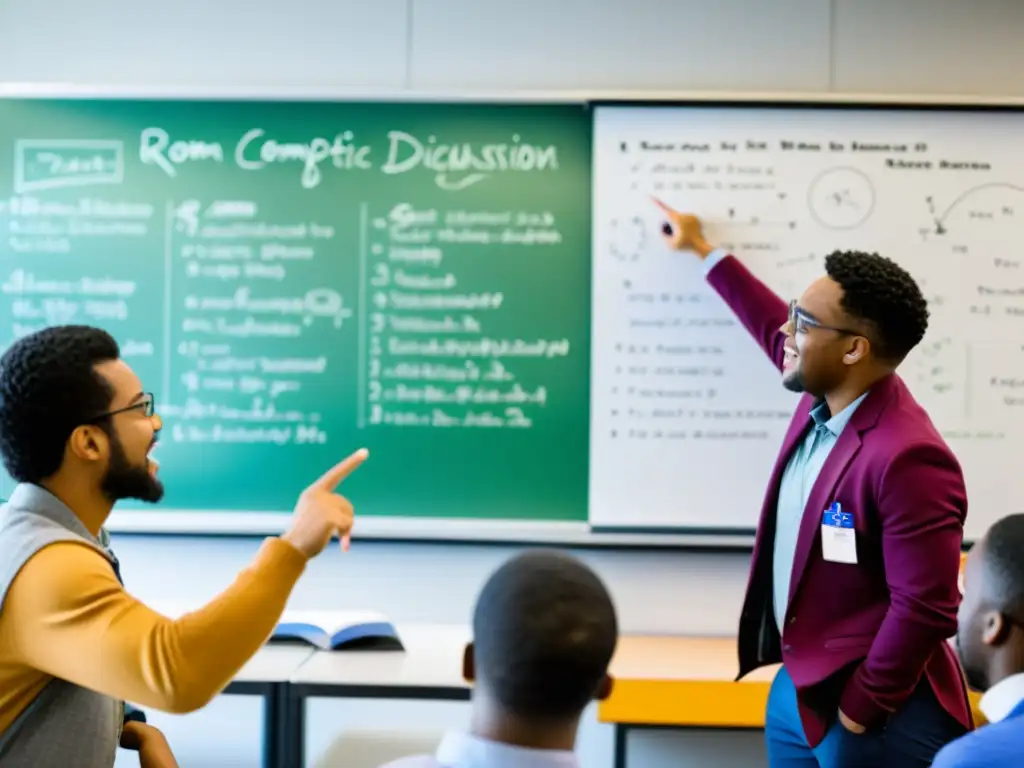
(883, 294)
(48, 388)
(544, 630)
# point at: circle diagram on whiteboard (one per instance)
(627, 238)
(841, 198)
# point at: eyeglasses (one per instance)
(801, 322)
(146, 403)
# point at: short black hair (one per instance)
(544, 631)
(1004, 566)
(48, 388)
(883, 294)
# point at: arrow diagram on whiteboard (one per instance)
(940, 219)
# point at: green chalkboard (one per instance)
(294, 280)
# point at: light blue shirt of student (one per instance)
(461, 750)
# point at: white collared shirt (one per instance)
(461, 750)
(1002, 698)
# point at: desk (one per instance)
(266, 674)
(685, 682)
(430, 668)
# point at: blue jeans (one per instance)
(910, 739)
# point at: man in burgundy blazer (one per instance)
(854, 577)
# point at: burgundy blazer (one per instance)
(858, 637)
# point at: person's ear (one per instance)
(995, 629)
(604, 688)
(88, 443)
(857, 351)
(468, 664)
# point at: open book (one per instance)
(338, 631)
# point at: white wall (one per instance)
(883, 46)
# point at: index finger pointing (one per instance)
(330, 479)
(662, 205)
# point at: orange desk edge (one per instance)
(689, 682)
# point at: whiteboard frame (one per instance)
(441, 530)
(802, 101)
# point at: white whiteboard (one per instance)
(687, 413)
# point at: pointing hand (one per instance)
(321, 513)
(683, 231)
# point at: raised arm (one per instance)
(760, 311)
(67, 615)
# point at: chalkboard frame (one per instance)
(497, 533)
(177, 521)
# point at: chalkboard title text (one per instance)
(455, 165)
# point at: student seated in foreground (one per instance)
(990, 640)
(544, 630)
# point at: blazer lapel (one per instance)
(795, 433)
(842, 454)
(844, 451)
(797, 429)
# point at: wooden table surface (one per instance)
(688, 682)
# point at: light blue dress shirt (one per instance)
(795, 488)
(797, 482)
(462, 750)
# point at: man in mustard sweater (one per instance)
(76, 430)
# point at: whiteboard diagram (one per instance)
(779, 188)
(841, 198)
(1004, 207)
(627, 238)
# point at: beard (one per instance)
(127, 481)
(794, 382)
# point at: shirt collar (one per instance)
(1003, 698)
(39, 501)
(835, 424)
(462, 750)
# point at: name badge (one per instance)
(838, 536)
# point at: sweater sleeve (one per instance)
(67, 615)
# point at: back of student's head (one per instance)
(544, 631)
